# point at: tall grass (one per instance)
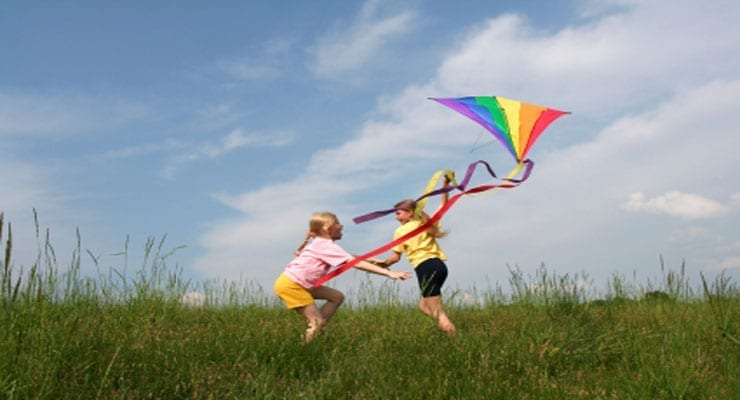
(123, 334)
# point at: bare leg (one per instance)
(425, 307)
(334, 299)
(315, 321)
(317, 318)
(432, 306)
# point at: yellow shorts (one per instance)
(293, 294)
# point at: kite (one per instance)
(516, 125)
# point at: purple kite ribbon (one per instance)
(462, 186)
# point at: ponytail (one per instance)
(434, 230)
(307, 239)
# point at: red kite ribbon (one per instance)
(433, 219)
(468, 175)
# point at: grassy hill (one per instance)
(65, 336)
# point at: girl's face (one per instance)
(404, 216)
(335, 231)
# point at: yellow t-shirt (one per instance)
(420, 247)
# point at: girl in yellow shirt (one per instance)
(427, 258)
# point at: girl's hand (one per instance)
(399, 276)
(446, 181)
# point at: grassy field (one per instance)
(67, 336)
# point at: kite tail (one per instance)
(529, 164)
(511, 183)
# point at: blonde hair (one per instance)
(410, 205)
(317, 226)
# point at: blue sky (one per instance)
(225, 126)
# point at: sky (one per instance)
(221, 128)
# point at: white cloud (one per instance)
(139, 150)
(677, 204)
(181, 152)
(603, 68)
(728, 263)
(248, 71)
(237, 139)
(346, 50)
(275, 221)
(572, 201)
(651, 111)
(264, 64)
(28, 187)
(32, 181)
(689, 234)
(596, 8)
(68, 114)
(24, 186)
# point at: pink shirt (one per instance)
(315, 260)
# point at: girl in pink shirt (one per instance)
(313, 259)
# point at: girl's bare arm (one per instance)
(368, 267)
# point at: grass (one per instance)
(114, 336)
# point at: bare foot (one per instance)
(311, 333)
(446, 325)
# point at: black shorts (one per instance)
(432, 274)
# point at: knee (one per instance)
(338, 298)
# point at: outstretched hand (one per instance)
(399, 276)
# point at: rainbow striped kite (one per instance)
(516, 124)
